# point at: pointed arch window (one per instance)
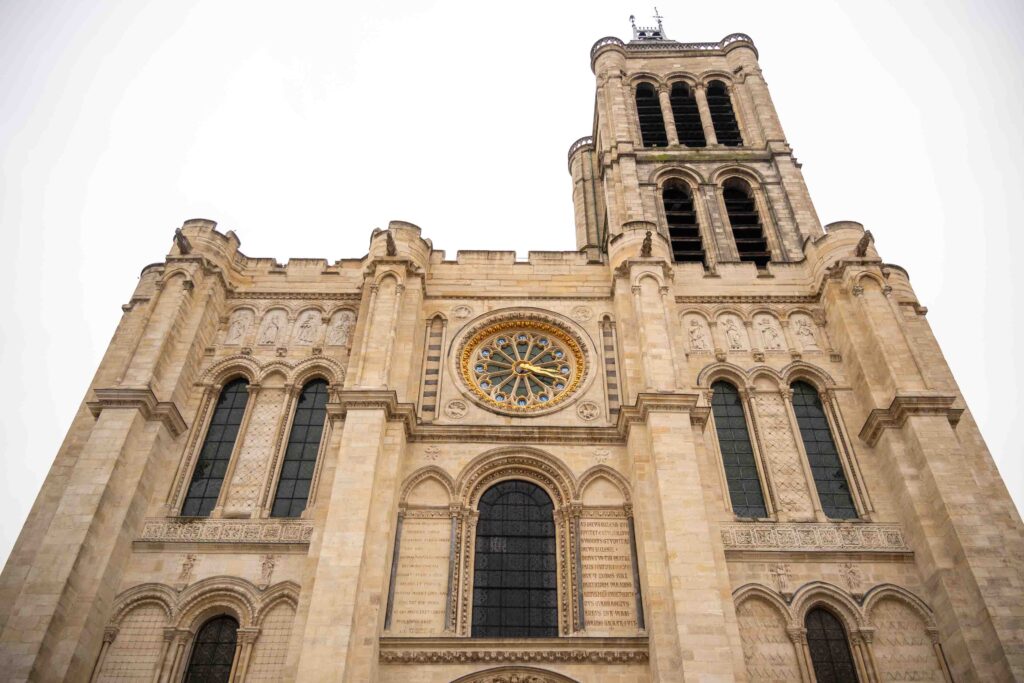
(687, 116)
(213, 651)
(751, 244)
(830, 649)
(648, 111)
(722, 116)
(681, 216)
(300, 456)
(829, 477)
(737, 452)
(212, 463)
(515, 594)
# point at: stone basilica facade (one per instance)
(716, 442)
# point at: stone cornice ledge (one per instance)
(624, 650)
(373, 399)
(142, 399)
(903, 406)
(647, 403)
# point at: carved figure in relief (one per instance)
(271, 328)
(341, 330)
(698, 341)
(780, 572)
(805, 334)
(267, 564)
(770, 335)
(237, 330)
(588, 410)
(456, 409)
(188, 563)
(732, 334)
(307, 329)
(851, 576)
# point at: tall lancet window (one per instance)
(737, 453)
(687, 116)
(681, 216)
(829, 477)
(514, 575)
(300, 456)
(830, 650)
(213, 651)
(751, 244)
(648, 111)
(213, 460)
(722, 116)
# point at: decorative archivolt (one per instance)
(430, 472)
(296, 373)
(665, 173)
(603, 472)
(743, 377)
(514, 674)
(855, 615)
(727, 172)
(502, 464)
(214, 595)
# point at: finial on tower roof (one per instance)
(648, 32)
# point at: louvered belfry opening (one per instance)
(683, 231)
(722, 116)
(746, 223)
(687, 116)
(648, 112)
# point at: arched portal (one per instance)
(515, 592)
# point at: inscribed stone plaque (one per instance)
(421, 583)
(609, 600)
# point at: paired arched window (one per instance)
(515, 594)
(747, 232)
(213, 651)
(722, 116)
(830, 649)
(681, 216)
(829, 477)
(737, 453)
(299, 461)
(648, 111)
(687, 116)
(208, 476)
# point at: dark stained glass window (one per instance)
(745, 222)
(829, 478)
(514, 589)
(648, 111)
(830, 651)
(213, 651)
(687, 116)
(220, 441)
(683, 231)
(300, 456)
(737, 453)
(722, 116)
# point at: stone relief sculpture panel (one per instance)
(238, 326)
(767, 650)
(804, 332)
(307, 328)
(274, 321)
(339, 330)
(698, 336)
(770, 332)
(783, 457)
(732, 330)
(902, 646)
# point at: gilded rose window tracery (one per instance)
(522, 366)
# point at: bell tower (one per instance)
(687, 143)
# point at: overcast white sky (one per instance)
(304, 125)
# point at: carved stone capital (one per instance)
(248, 635)
(110, 633)
(797, 635)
